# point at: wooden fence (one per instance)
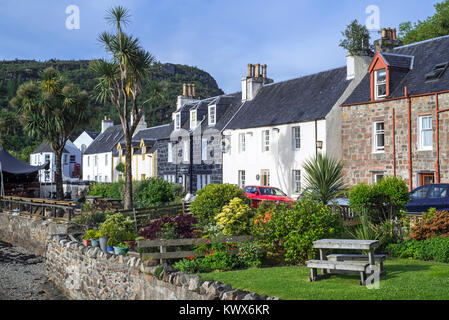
(41, 208)
(143, 216)
(164, 254)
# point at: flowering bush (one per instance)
(291, 230)
(235, 218)
(181, 226)
(435, 223)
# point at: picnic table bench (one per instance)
(100, 203)
(345, 263)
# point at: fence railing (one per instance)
(165, 254)
(142, 216)
(42, 208)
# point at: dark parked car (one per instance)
(429, 196)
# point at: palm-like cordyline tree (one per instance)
(120, 81)
(51, 110)
(324, 178)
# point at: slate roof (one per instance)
(92, 134)
(44, 147)
(302, 99)
(106, 141)
(153, 133)
(427, 54)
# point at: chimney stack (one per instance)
(106, 123)
(388, 40)
(256, 79)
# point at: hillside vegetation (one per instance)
(169, 76)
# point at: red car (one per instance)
(259, 194)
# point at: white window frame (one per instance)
(170, 152)
(242, 142)
(242, 178)
(376, 176)
(296, 181)
(204, 149)
(296, 138)
(193, 119)
(212, 116)
(421, 132)
(185, 151)
(105, 159)
(177, 121)
(376, 133)
(266, 141)
(377, 84)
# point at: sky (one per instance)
(293, 37)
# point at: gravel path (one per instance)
(22, 276)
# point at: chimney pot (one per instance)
(250, 70)
(193, 90)
(184, 89)
(264, 70)
(257, 70)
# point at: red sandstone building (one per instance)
(396, 122)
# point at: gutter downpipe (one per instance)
(409, 119)
(394, 141)
(437, 164)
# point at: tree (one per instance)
(324, 178)
(120, 81)
(356, 39)
(432, 27)
(51, 110)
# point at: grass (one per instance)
(405, 280)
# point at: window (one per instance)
(65, 159)
(426, 178)
(379, 137)
(437, 72)
(204, 149)
(96, 161)
(106, 179)
(265, 140)
(143, 177)
(242, 178)
(193, 119)
(105, 159)
(296, 181)
(380, 83)
(296, 135)
(265, 178)
(242, 142)
(420, 193)
(170, 152)
(47, 158)
(72, 159)
(425, 138)
(185, 151)
(177, 121)
(437, 192)
(88, 178)
(378, 176)
(212, 115)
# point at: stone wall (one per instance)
(31, 233)
(88, 273)
(360, 162)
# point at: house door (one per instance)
(426, 178)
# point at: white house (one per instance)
(71, 162)
(85, 139)
(280, 125)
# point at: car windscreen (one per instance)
(420, 193)
(271, 192)
(437, 192)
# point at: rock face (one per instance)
(22, 276)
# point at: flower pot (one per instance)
(110, 250)
(130, 244)
(120, 251)
(86, 243)
(95, 243)
(103, 242)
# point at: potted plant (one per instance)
(95, 239)
(121, 249)
(112, 241)
(90, 234)
(129, 239)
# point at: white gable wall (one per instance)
(281, 160)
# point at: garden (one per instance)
(275, 240)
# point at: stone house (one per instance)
(396, 121)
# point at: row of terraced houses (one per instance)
(384, 113)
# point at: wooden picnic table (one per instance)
(100, 203)
(341, 263)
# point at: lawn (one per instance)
(405, 280)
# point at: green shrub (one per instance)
(235, 218)
(107, 190)
(91, 234)
(435, 249)
(383, 201)
(211, 199)
(117, 228)
(291, 230)
(154, 191)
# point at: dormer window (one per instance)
(212, 115)
(437, 72)
(193, 119)
(380, 78)
(177, 121)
